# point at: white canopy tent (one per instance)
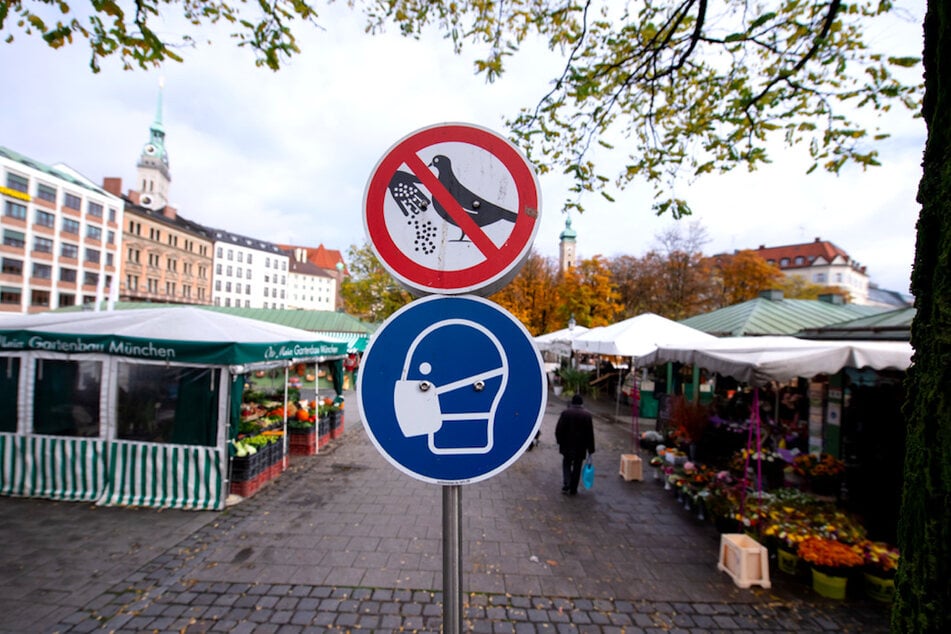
(638, 337)
(559, 341)
(758, 360)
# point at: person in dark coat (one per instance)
(574, 434)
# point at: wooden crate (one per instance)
(632, 467)
(744, 559)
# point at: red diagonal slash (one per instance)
(469, 227)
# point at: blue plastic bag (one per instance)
(587, 474)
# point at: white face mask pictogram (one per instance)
(417, 403)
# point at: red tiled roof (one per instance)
(808, 250)
(320, 257)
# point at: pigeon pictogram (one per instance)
(482, 211)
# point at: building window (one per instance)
(67, 275)
(267, 263)
(155, 234)
(70, 226)
(186, 290)
(217, 285)
(90, 278)
(820, 278)
(9, 266)
(152, 285)
(172, 265)
(799, 260)
(267, 279)
(247, 289)
(111, 237)
(72, 201)
(94, 209)
(67, 299)
(92, 255)
(132, 282)
(40, 298)
(217, 269)
(17, 182)
(170, 288)
(247, 274)
(230, 255)
(838, 278)
(218, 252)
(227, 287)
(154, 260)
(44, 219)
(240, 256)
(783, 262)
(14, 210)
(239, 273)
(202, 272)
(10, 295)
(45, 192)
(227, 301)
(265, 291)
(68, 250)
(228, 271)
(42, 245)
(42, 271)
(93, 232)
(249, 262)
(110, 258)
(13, 238)
(112, 214)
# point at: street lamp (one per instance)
(572, 323)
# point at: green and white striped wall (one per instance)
(52, 467)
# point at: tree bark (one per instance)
(923, 601)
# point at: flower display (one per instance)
(817, 466)
(829, 554)
(880, 558)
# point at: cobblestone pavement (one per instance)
(344, 542)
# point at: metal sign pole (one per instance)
(452, 559)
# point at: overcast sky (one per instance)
(286, 156)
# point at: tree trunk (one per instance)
(923, 601)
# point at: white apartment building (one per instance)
(248, 273)
(309, 286)
(60, 236)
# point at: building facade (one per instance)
(61, 236)
(330, 261)
(308, 286)
(823, 263)
(248, 273)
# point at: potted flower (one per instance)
(832, 562)
(881, 564)
(823, 472)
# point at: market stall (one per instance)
(135, 407)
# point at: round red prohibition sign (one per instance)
(452, 208)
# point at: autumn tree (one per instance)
(637, 281)
(588, 294)
(533, 296)
(798, 287)
(738, 277)
(371, 293)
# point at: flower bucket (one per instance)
(879, 588)
(788, 561)
(829, 586)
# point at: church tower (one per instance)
(567, 255)
(153, 177)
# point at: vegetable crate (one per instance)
(744, 559)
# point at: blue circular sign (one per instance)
(451, 389)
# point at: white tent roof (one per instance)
(638, 336)
(564, 337)
(758, 360)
